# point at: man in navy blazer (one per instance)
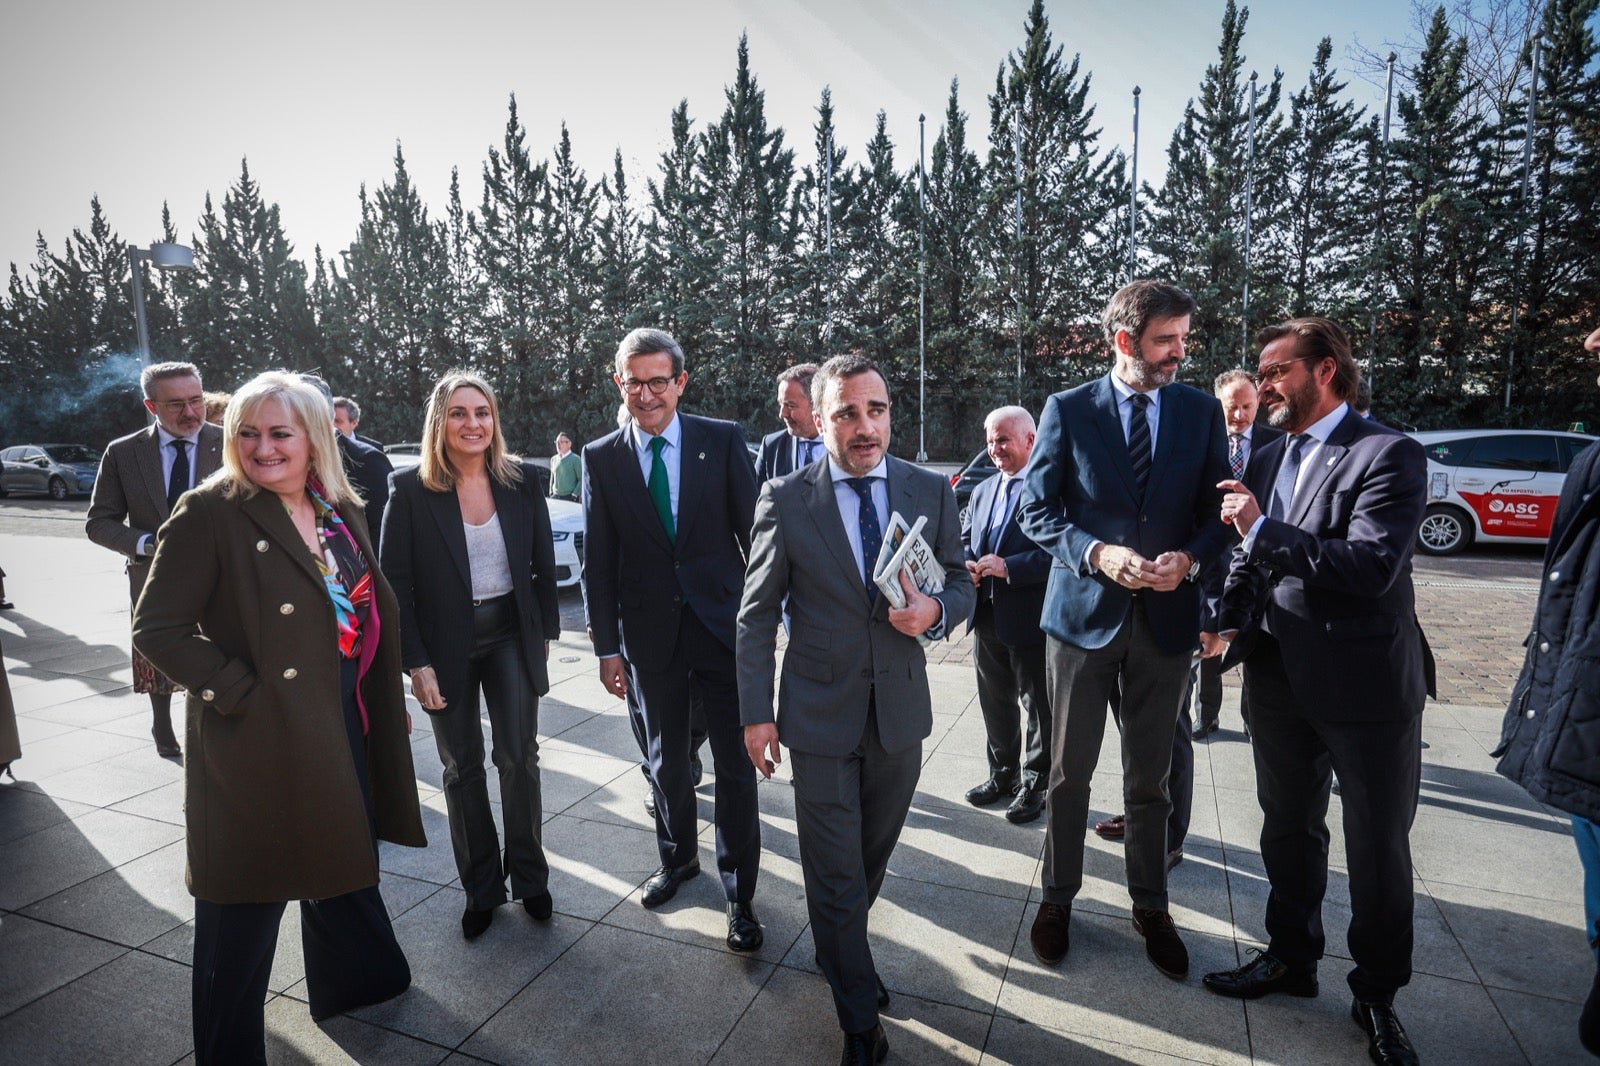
(1320, 608)
(798, 443)
(1122, 492)
(1009, 573)
(668, 500)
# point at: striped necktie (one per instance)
(1139, 440)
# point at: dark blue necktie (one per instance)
(1288, 473)
(999, 514)
(1139, 440)
(178, 480)
(871, 532)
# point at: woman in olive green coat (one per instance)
(265, 603)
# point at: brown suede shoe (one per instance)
(1051, 934)
(1161, 942)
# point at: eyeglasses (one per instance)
(633, 386)
(1275, 372)
(177, 407)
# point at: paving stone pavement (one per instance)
(95, 923)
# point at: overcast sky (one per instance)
(145, 102)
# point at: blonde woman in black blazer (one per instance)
(466, 544)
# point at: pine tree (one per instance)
(393, 300)
(506, 237)
(746, 176)
(1196, 230)
(1064, 268)
(1326, 209)
(1436, 348)
(246, 306)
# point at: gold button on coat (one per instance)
(261, 545)
(290, 674)
(287, 608)
(208, 695)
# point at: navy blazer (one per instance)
(424, 556)
(369, 469)
(776, 457)
(636, 581)
(1215, 573)
(1019, 600)
(1080, 488)
(1333, 580)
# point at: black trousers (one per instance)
(1011, 685)
(702, 668)
(496, 670)
(352, 957)
(1380, 771)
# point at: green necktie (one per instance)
(660, 489)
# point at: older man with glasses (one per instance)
(668, 500)
(141, 477)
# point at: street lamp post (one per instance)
(166, 256)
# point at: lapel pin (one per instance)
(702, 455)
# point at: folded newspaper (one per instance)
(905, 548)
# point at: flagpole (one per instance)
(827, 169)
(922, 289)
(1380, 237)
(1249, 195)
(1133, 202)
(1522, 219)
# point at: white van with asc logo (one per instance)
(1494, 486)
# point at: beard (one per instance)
(1141, 373)
(1294, 406)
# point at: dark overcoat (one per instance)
(1550, 742)
(236, 611)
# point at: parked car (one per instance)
(1493, 486)
(980, 469)
(566, 526)
(56, 470)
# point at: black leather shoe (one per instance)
(998, 786)
(539, 907)
(1205, 728)
(473, 923)
(1051, 933)
(650, 800)
(1161, 942)
(1262, 975)
(663, 884)
(1387, 1043)
(1028, 805)
(697, 771)
(883, 993)
(865, 1049)
(744, 931)
(1174, 857)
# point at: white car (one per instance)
(566, 526)
(1494, 486)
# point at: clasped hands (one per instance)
(1133, 571)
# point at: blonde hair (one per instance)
(437, 471)
(310, 410)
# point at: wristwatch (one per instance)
(1194, 565)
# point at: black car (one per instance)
(972, 475)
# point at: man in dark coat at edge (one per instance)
(1550, 743)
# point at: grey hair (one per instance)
(1007, 414)
(351, 408)
(161, 372)
(646, 341)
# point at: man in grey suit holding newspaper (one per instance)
(853, 704)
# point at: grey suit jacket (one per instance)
(130, 496)
(841, 645)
